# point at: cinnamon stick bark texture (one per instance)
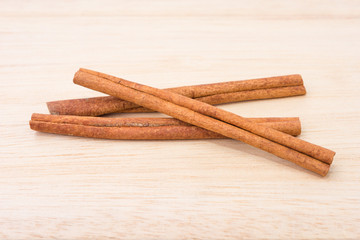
(141, 128)
(307, 155)
(216, 93)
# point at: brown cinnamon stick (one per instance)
(141, 128)
(216, 93)
(305, 154)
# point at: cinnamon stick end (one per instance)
(298, 76)
(298, 127)
(303, 89)
(325, 172)
(319, 167)
(34, 116)
(332, 158)
(53, 108)
(34, 125)
(76, 75)
(31, 125)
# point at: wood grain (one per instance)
(66, 187)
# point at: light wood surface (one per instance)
(63, 187)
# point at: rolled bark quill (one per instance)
(215, 93)
(141, 128)
(305, 154)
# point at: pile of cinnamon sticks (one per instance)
(194, 116)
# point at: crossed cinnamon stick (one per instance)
(218, 122)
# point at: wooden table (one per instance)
(65, 187)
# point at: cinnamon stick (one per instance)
(141, 128)
(307, 155)
(216, 93)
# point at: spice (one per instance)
(141, 128)
(215, 93)
(307, 155)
